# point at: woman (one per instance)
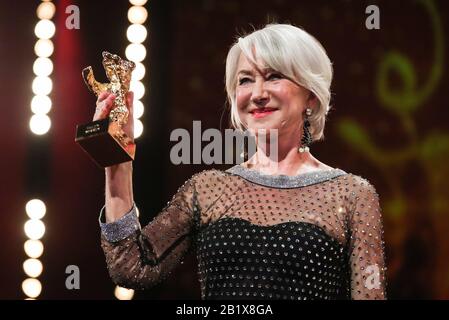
(293, 229)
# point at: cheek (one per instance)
(242, 98)
(290, 98)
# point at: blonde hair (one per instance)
(292, 52)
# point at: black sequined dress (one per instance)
(316, 235)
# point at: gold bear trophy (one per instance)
(104, 140)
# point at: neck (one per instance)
(287, 161)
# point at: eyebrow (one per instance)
(249, 72)
(245, 72)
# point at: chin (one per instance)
(263, 126)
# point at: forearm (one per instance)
(119, 190)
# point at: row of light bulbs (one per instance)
(136, 52)
(34, 248)
(42, 85)
(40, 122)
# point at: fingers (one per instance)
(103, 96)
(104, 106)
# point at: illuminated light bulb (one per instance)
(136, 33)
(32, 287)
(138, 109)
(137, 14)
(138, 128)
(33, 248)
(139, 72)
(138, 2)
(41, 104)
(46, 10)
(43, 48)
(138, 88)
(42, 86)
(123, 293)
(40, 124)
(35, 209)
(45, 29)
(135, 52)
(33, 268)
(42, 67)
(34, 229)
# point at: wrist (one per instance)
(121, 167)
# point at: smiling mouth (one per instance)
(262, 112)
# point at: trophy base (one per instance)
(105, 142)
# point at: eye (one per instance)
(275, 76)
(243, 80)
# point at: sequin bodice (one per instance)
(292, 260)
(313, 236)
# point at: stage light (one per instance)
(138, 2)
(138, 88)
(135, 52)
(138, 109)
(35, 209)
(137, 14)
(123, 293)
(138, 128)
(45, 29)
(42, 86)
(46, 10)
(32, 287)
(139, 71)
(33, 248)
(34, 229)
(40, 124)
(33, 268)
(41, 104)
(136, 33)
(42, 67)
(43, 48)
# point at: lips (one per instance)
(262, 112)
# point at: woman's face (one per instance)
(268, 100)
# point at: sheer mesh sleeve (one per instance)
(140, 258)
(366, 245)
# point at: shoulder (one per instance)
(358, 181)
(208, 174)
(360, 187)
(203, 182)
(209, 178)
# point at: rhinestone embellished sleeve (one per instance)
(366, 246)
(313, 236)
(145, 257)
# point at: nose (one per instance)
(259, 95)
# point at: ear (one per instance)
(312, 100)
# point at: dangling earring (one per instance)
(306, 139)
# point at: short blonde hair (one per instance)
(292, 52)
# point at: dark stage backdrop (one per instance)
(388, 124)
